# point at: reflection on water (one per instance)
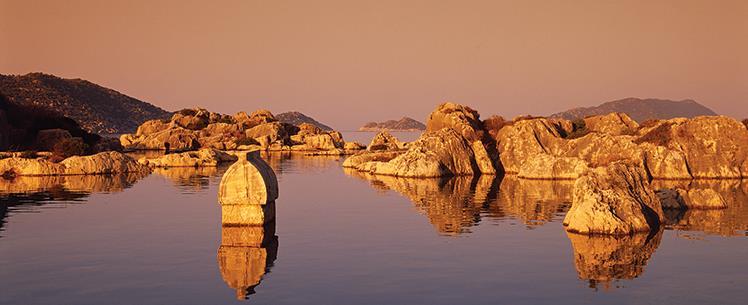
(604, 259)
(246, 254)
(732, 221)
(192, 179)
(26, 193)
(535, 202)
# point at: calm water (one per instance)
(347, 238)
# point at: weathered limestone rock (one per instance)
(484, 162)
(353, 146)
(546, 166)
(526, 138)
(464, 120)
(102, 163)
(245, 255)
(193, 119)
(205, 157)
(615, 200)
(368, 156)
(267, 133)
(384, 141)
(248, 191)
(664, 163)
(603, 259)
(435, 154)
(713, 146)
(615, 124)
(11, 167)
(151, 127)
(322, 142)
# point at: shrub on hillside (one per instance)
(745, 122)
(579, 129)
(68, 148)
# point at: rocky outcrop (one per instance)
(451, 146)
(614, 123)
(384, 141)
(298, 118)
(248, 191)
(641, 109)
(205, 157)
(192, 129)
(546, 166)
(355, 161)
(101, 163)
(614, 200)
(404, 124)
(524, 139)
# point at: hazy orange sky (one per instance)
(348, 62)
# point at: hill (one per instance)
(95, 108)
(296, 118)
(641, 109)
(404, 124)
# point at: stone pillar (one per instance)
(247, 192)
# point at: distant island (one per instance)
(97, 109)
(641, 109)
(404, 124)
(297, 118)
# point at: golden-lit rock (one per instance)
(206, 157)
(614, 123)
(248, 191)
(16, 166)
(546, 166)
(527, 138)
(616, 200)
(603, 259)
(360, 158)
(484, 162)
(383, 140)
(462, 119)
(101, 163)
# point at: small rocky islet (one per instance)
(613, 159)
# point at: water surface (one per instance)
(343, 237)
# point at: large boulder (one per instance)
(193, 119)
(16, 166)
(201, 158)
(614, 123)
(268, 133)
(384, 141)
(360, 158)
(434, 154)
(464, 120)
(527, 138)
(102, 163)
(614, 200)
(546, 166)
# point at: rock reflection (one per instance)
(292, 162)
(25, 192)
(535, 202)
(732, 221)
(452, 204)
(246, 254)
(604, 259)
(192, 179)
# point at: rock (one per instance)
(663, 163)
(404, 124)
(309, 129)
(353, 146)
(267, 133)
(383, 140)
(484, 162)
(614, 200)
(15, 166)
(526, 138)
(366, 156)
(462, 119)
(202, 158)
(603, 259)
(102, 163)
(248, 191)
(614, 123)
(193, 119)
(47, 138)
(546, 166)
(434, 154)
(151, 127)
(322, 142)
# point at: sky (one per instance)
(350, 62)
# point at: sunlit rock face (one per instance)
(101, 163)
(614, 123)
(535, 202)
(246, 254)
(526, 138)
(616, 200)
(206, 157)
(384, 141)
(603, 259)
(729, 221)
(248, 191)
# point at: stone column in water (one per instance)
(247, 192)
(249, 245)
